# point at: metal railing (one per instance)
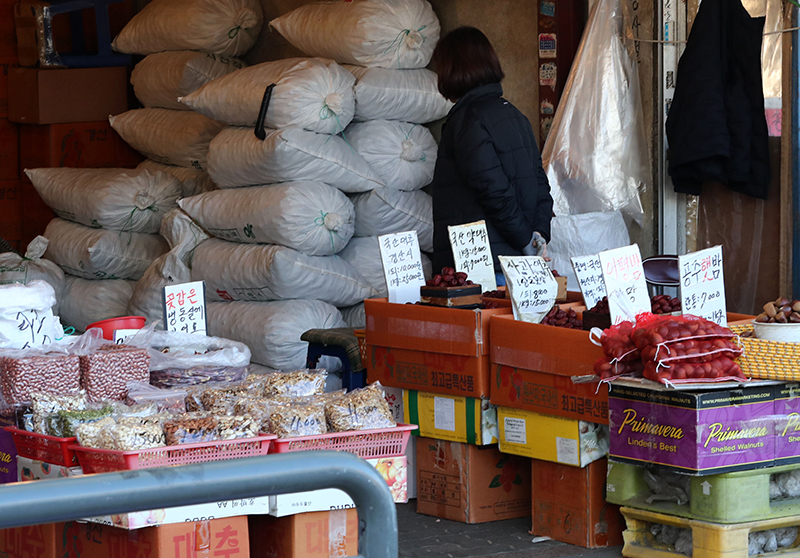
(50, 501)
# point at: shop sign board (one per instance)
(623, 275)
(473, 254)
(703, 285)
(185, 307)
(532, 287)
(589, 272)
(402, 266)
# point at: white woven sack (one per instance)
(310, 93)
(18, 269)
(99, 254)
(161, 78)
(272, 330)
(26, 316)
(170, 137)
(260, 272)
(384, 33)
(354, 316)
(192, 181)
(364, 254)
(386, 211)
(86, 302)
(228, 27)
(402, 154)
(128, 200)
(236, 157)
(311, 217)
(407, 95)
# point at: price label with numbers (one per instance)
(532, 287)
(402, 266)
(472, 253)
(703, 285)
(589, 272)
(185, 307)
(623, 273)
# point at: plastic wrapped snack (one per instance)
(190, 428)
(23, 372)
(134, 435)
(137, 410)
(45, 404)
(260, 409)
(361, 409)
(88, 433)
(105, 373)
(220, 399)
(235, 427)
(300, 383)
(172, 377)
(70, 420)
(141, 393)
(298, 418)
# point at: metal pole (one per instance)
(49, 501)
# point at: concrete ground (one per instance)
(425, 536)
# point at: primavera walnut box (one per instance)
(700, 432)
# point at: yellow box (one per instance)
(556, 439)
(451, 417)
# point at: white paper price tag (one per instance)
(185, 307)
(589, 272)
(472, 253)
(121, 336)
(402, 266)
(703, 285)
(532, 287)
(623, 272)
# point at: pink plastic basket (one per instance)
(94, 460)
(42, 447)
(367, 444)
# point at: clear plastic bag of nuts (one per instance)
(259, 408)
(237, 427)
(302, 417)
(133, 434)
(44, 405)
(219, 398)
(173, 400)
(33, 370)
(88, 433)
(300, 383)
(106, 371)
(190, 428)
(361, 409)
(68, 421)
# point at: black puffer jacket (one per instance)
(489, 168)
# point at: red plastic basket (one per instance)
(367, 444)
(42, 447)
(107, 461)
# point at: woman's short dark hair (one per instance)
(464, 59)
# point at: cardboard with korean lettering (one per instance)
(703, 285)
(326, 534)
(452, 417)
(402, 266)
(472, 253)
(208, 538)
(439, 350)
(185, 307)
(589, 273)
(471, 484)
(35, 541)
(623, 275)
(531, 286)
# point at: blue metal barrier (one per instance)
(49, 501)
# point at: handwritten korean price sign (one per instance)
(703, 285)
(402, 266)
(532, 287)
(623, 272)
(589, 272)
(185, 307)
(472, 253)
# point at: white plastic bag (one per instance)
(386, 211)
(261, 272)
(407, 95)
(272, 330)
(596, 154)
(18, 269)
(402, 154)
(192, 181)
(161, 78)
(385, 33)
(100, 254)
(311, 217)
(228, 27)
(236, 157)
(364, 254)
(115, 199)
(310, 93)
(184, 350)
(86, 302)
(354, 316)
(171, 137)
(26, 315)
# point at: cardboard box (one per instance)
(440, 350)
(215, 538)
(550, 394)
(9, 150)
(32, 469)
(392, 469)
(569, 505)
(567, 441)
(79, 144)
(8, 453)
(394, 397)
(696, 432)
(8, 37)
(70, 95)
(36, 541)
(451, 417)
(471, 484)
(11, 209)
(787, 424)
(306, 535)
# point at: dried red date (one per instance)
(563, 318)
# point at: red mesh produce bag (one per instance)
(720, 369)
(616, 342)
(661, 330)
(692, 351)
(608, 369)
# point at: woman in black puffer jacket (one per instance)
(488, 164)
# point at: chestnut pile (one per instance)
(659, 304)
(780, 311)
(494, 294)
(567, 319)
(449, 277)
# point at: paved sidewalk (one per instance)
(424, 536)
